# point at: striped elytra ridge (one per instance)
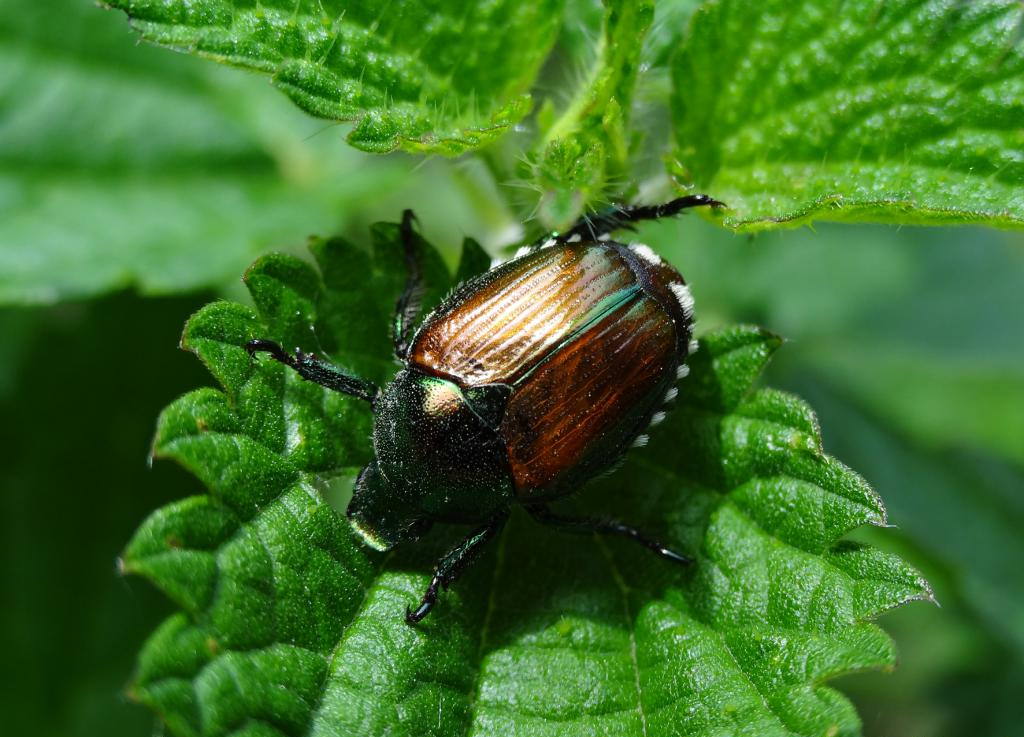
(588, 336)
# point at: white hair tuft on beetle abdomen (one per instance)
(683, 296)
(645, 253)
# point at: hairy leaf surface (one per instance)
(287, 625)
(587, 148)
(905, 111)
(437, 77)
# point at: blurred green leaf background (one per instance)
(136, 184)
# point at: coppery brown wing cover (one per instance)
(510, 318)
(594, 395)
(587, 334)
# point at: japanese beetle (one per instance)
(524, 383)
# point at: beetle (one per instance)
(524, 383)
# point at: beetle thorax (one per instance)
(436, 453)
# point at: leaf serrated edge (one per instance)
(455, 143)
(839, 208)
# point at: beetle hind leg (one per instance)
(313, 369)
(452, 564)
(600, 224)
(588, 525)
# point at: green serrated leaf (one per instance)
(426, 77)
(288, 625)
(905, 111)
(932, 493)
(923, 407)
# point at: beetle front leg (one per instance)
(453, 564)
(585, 525)
(313, 369)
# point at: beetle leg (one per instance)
(584, 525)
(453, 564)
(592, 227)
(408, 305)
(311, 368)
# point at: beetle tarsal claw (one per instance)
(414, 617)
(266, 346)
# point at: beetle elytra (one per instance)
(524, 383)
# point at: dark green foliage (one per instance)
(79, 388)
(287, 624)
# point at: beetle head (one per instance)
(380, 514)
